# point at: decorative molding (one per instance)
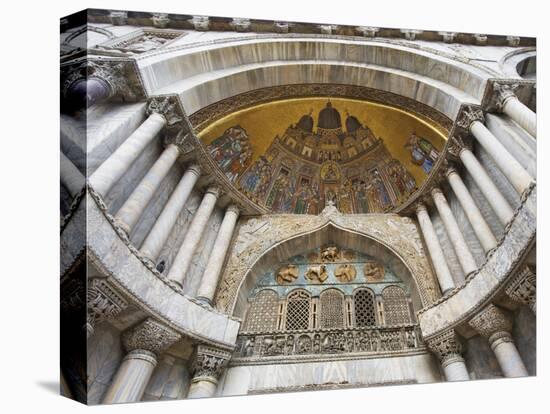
(200, 23)
(241, 24)
(410, 34)
(160, 20)
(209, 363)
(328, 29)
(523, 287)
(480, 39)
(498, 91)
(448, 37)
(140, 41)
(118, 18)
(151, 336)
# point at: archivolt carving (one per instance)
(258, 235)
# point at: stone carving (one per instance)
(492, 322)
(328, 29)
(329, 342)
(329, 254)
(257, 236)
(468, 115)
(281, 27)
(317, 273)
(513, 41)
(374, 272)
(241, 24)
(160, 20)
(480, 39)
(103, 302)
(168, 107)
(151, 336)
(144, 40)
(410, 34)
(523, 287)
(200, 23)
(287, 274)
(209, 362)
(368, 31)
(448, 37)
(118, 18)
(345, 272)
(446, 346)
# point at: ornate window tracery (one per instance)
(332, 309)
(262, 315)
(365, 314)
(396, 306)
(297, 310)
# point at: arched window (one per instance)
(262, 315)
(297, 310)
(331, 314)
(396, 306)
(363, 302)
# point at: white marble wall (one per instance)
(242, 380)
(170, 380)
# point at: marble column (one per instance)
(447, 347)
(463, 253)
(103, 302)
(479, 225)
(158, 235)
(130, 212)
(495, 324)
(71, 177)
(213, 270)
(510, 167)
(208, 365)
(506, 101)
(523, 287)
(108, 173)
(492, 194)
(434, 248)
(181, 263)
(144, 343)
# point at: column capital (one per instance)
(194, 168)
(457, 146)
(450, 171)
(167, 106)
(437, 192)
(150, 335)
(492, 323)
(214, 190)
(523, 287)
(469, 114)
(446, 346)
(421, 207)
(103, 302)
(209, 363)
(234, 208)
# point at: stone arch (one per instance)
(394, 240)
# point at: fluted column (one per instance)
(523, 287)
(108, 173)
(479, 225)
(130, 212)
(510, 167)
(496, 325)
(506, 101)
(208, 365)
(144, 343)
(448, 349)
(103, 301)
(158, 235)
(193, 236)
(213, 269)
(494, 197)
(71, 177)
(434, 248)
(464, 256)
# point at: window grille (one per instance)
(331, 313)
(364, 308)
(396, 306)
(297, 311)
(262, 315)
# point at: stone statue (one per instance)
(317, 273)
(345, 273)
(374, 271)
(329, 254)
(287, 274)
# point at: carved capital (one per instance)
(183, 139)
(151, 336)
(523, 287)
(450, 171)
(234, 208)
(446, 346)
(421, 208)
(456, 146)
(437, 192)
(492, 323)
(468, 115)
(168, 107)
(209, 363)
(103, 302)
(160, 20)
(502, 92)
(214, 190)
(195, 168)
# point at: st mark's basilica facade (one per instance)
(253, 206)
